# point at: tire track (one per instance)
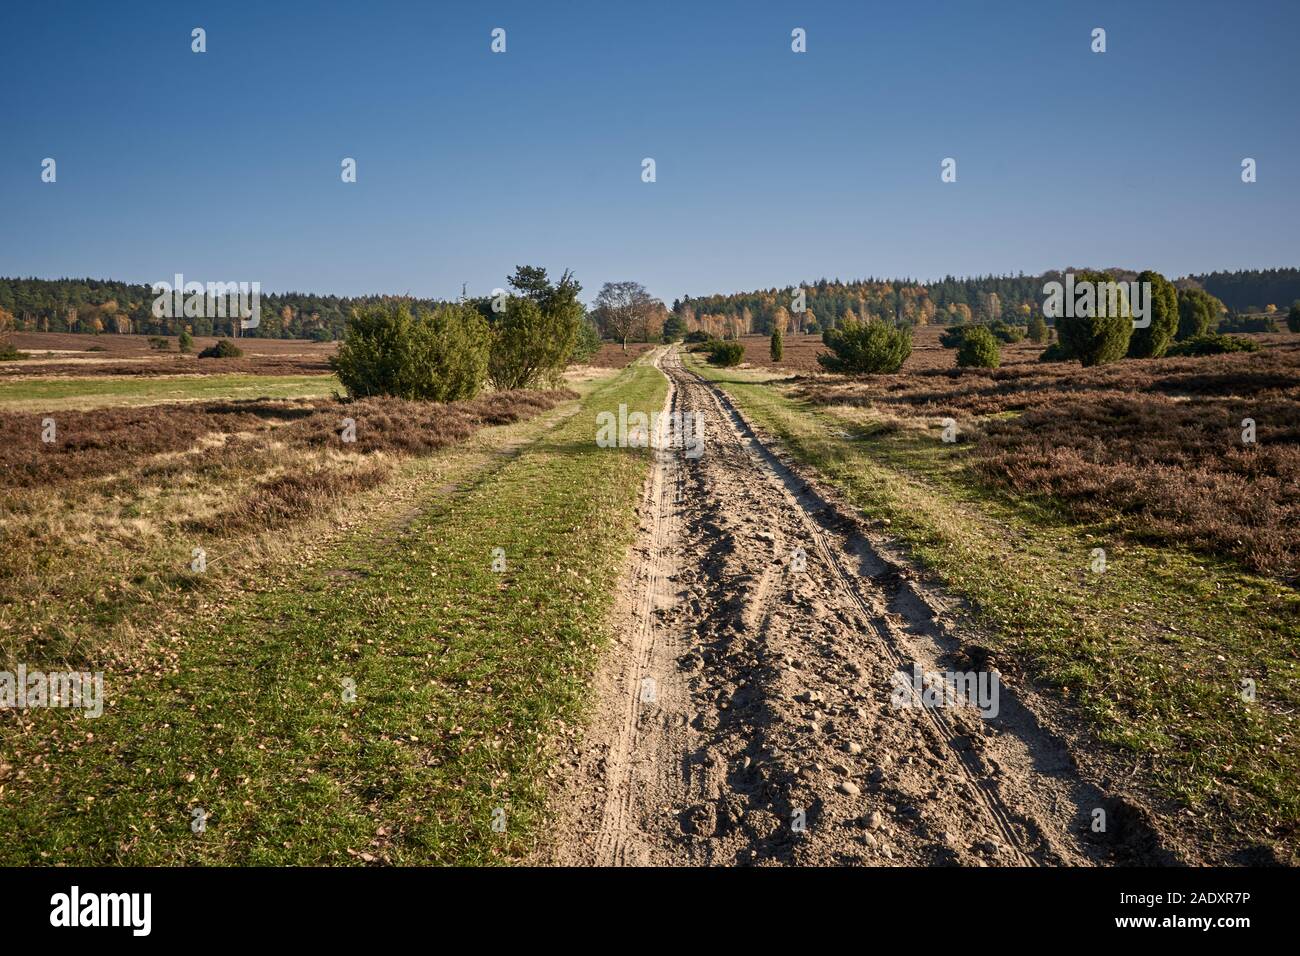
(774, 738)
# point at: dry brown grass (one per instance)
(102, 441)
(1154, 445)
(99, 527)
(70, 355)
(612, 354)
(800, 353)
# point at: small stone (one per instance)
(848, 787)
(875, 820)
(853, 748)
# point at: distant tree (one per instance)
(1198, 313)
(1098, 339)
(871, 347)
(1037, 329)
(8, 351)
(992, 306)
(781, 319)
(979, 349)
(777, 345)
(674, 328)
(186, 341)
(586, 343)
(1293, 316)
(1154, 340)
(624, 308)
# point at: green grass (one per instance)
(1151, 652)
(48, 394)
(464, 676)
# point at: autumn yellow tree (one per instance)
(781, 319)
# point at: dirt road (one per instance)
(761, 706)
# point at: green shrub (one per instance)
(222, 348)
(1096, 340)
(1162, 312)
(1198, 312)
(322, 333)
(438, 356)
(1293, 316)
(1054, 353)
(1005, 332)
(1247, 323)
(185, 342)
(725, 354)
(777, 344)
(586, 343)
(531, 345)
(159, 343)
(979, 349)
(697, 337)
(9, 353)
(871, 348)
(1037, 330)
(951, 338)
(1212, 345)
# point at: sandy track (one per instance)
(750, 711)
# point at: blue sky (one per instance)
(772, 167)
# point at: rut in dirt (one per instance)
(757, 710)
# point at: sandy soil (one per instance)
(751, 710)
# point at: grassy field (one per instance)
(235, 700)
(51, 394)
(1152, 651)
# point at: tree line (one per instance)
(833, 303)
(106, 306)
